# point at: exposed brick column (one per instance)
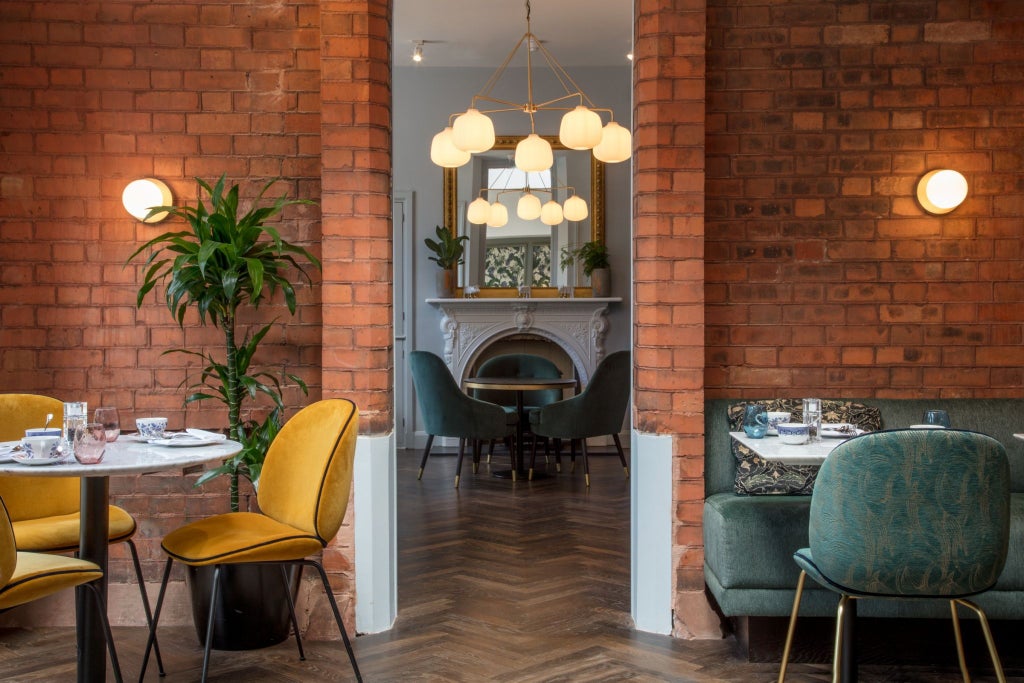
(356, 206)
(668, 266)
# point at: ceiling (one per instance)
(483, 32)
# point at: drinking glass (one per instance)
(75, 413)
(812, 418)
(90, 442)
(755, 421)
(107, 416)
(939, 418)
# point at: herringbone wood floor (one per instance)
(524, 582)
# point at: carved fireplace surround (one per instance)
(578, 326)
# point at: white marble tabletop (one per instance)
(128, 455)
(770, 448)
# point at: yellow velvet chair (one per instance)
(45, 511)
(26, 577)
(302, 496)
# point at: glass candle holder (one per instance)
(107, 416)
(90, 443)
(812, 418)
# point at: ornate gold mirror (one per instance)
(500, 259)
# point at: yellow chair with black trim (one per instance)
(45, 511)
(302, 495)
(26, 577)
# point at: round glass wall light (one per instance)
(141, 195)
(942, 190)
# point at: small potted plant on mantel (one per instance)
(225, 263)
(448, 250)
(594, 257)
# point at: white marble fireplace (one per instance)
(577, 326)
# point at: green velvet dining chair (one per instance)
(447, 411)
(524, 365)
(598, 410)
(910, 514)
(45, 511)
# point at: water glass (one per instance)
(755, 421)
(939, 418)
(90, 442)
(107, 416)
(75, 413)
(812, 418)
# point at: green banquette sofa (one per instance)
(749, 540)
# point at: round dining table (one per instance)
(128, 455)
(519, 385)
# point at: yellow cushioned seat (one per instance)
(25, 577)
(59, 533)
(302, 495)
(239, 537)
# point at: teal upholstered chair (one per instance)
(597, 411)
(518, 365)
(447, 411)
(909, 514)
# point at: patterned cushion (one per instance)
(755, 476)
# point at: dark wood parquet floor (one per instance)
(503, 582)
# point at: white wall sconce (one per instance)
(141, 195)
(942, 190)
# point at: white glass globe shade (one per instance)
(498, 217)
(528, 207)
(580, 129)
(575, 209)
(473, 132)
(140, 196)
(616, 144)
(941, 191)
(478, 211)
(551, 213)
(533, 153)
(444, 153)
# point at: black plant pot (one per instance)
(252, 606)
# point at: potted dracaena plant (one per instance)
(227, 262)
(448, 250)
(594, 257)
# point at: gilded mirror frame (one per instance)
(597, 211)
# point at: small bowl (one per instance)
(151, 427)
(774, 418)
(793, 433)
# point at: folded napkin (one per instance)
(203, 434)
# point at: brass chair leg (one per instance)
(586, 462)
(837, 653)
(989, 641)
(458, 464)
(959, 643)
(792, 625)
(426, 454)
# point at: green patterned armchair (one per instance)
(910, 514)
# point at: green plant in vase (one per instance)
(594, 257)
(225, 262)
(448, 250)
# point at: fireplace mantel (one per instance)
(578, 326)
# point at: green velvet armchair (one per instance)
(447, 411)
(597, 411)
(909, 514)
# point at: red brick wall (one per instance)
(668, 268)
(823, 274)
(92, 95)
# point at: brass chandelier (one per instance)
(472, 131)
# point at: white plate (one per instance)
(22, 460)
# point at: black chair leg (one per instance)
(558, 455)
(426, 453)
(214, 591)
(156, 618)
(337, 617)
(622, 454)
(145, 603)
(533, 459)
(586, 462)
(572, 455)
(478, 447)
(458, 464)
(291, 608)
